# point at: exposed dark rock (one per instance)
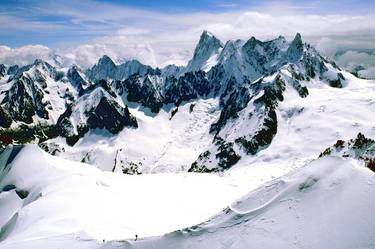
(174, 111)
(22, 193)
(26, 134)
(100, 83)
(3, 71)
(360, 148)
(102, 112)
(143, 90)
(295, 49)
(191, 108)
(226, 155)
(75, 76)
(24, 98)
(263, 137)
(8, 187)
(111, 116)
(52, 148)
(5, 118)
(199, 165)
(132, 169)
(12, 69)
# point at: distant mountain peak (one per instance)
(207, 46)
(106, 60)
(207, 35)
(295, 49)
(208, 38)
(252, 42)
(298, 38)
(38, 62)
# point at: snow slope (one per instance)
(65, 197)
(307, 125)
(326, 204)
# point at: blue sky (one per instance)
(42, 22)
(160, 32)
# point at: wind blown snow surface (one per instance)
(65, 197)
(326, 204)
(54, 203)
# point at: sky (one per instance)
(163, 32)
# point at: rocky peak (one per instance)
(132, 67)
(12, 69)
(207, 46)
(106, 61)
(104, 69)
(38, 62)
(94, 109)
(2, 70)
(77, 78)
(252, 42)
(295, 50)
(25, 99)
(43, 66)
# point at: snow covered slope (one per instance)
(326, 204)
(206, 53)
(43, 197)
(55, 203)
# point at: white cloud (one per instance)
(158, 38)
(24, 55)
(351, 58)
(87, 55)
(327, 47)
(368, 73)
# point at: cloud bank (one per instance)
(160, 38)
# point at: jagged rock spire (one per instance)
(295, 49)
(105, 60)
(207, 46)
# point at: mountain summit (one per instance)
(205, 52)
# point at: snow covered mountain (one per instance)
(218, 111)
(285, 133)
(206, 53)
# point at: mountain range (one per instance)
(246, 80)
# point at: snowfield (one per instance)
(66, 197)
(326, 204)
